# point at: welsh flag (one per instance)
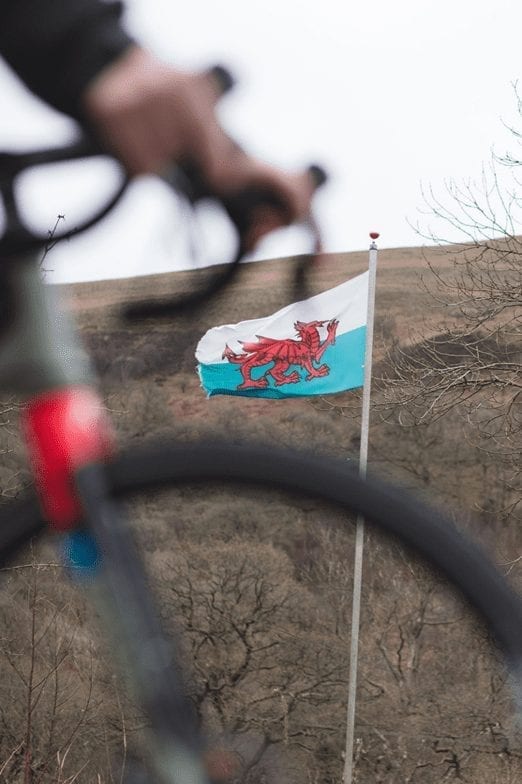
(312, 347)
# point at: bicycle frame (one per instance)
(42, 361)
(39, 348)
(68, 437)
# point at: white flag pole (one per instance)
(359, 532)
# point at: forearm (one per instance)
(57, 47)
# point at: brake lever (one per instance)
(186, 178)
(241, 208)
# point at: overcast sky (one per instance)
(388, 96)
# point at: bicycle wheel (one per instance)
(426, 530)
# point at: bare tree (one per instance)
(264, 666)
(469, 359)
(60, 715)
(433, 700)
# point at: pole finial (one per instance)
(374, 235)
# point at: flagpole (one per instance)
(359, 531)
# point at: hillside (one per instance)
(163, 350)
(261, 584)
(399, 269)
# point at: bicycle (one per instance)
(80, 476)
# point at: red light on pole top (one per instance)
(374, 235)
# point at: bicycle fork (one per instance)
(69, 437)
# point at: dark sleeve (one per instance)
(58, 46)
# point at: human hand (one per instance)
(151, 115)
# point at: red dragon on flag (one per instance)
(305, 351)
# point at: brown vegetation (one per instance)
(261, 584)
